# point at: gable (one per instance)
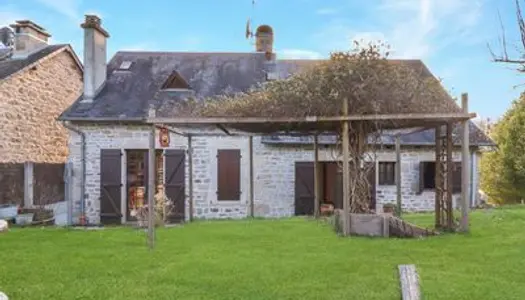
(10, 67)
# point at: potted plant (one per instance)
(389, 208)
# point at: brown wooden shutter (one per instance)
(228, 174)
(110, 186)
(456, 177)
(421, 177)
(174, 183)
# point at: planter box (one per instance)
(24, 219)
(8, 211)
(364, 224)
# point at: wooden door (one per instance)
(304, 188)
(174, 183)
(371, 166)
(110, 186)
(338, 186)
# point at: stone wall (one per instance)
(274, 168)
(30, 102)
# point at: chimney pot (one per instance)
(264, 39)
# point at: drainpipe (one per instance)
(83, 177)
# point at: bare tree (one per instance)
(503, 56)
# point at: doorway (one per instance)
(331, 186)
(137, 178)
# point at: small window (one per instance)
(125, 65)
(175, 82)
(427, 175)
(387, 173)
(229, 175)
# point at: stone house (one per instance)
(109, 140)
(37, 82)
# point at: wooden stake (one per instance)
(449, 185)
(465, 171)
(346, 173)
(151, 188)
(252, 209)
(316, 177)
(190, 175)
(398, 175)
(437, 179)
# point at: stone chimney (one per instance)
(94, 56)
(264, 39)
(29, 37)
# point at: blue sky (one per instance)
(450, 36)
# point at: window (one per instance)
(229, 175)
(427, 176)
(387, 173)
(175, 81)
(125, 65)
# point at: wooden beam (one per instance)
(346, 173)
(409, 282)
(465, 171)
(223, 129)
(437, 179)
(398, 176)
(252, 200)
(313, 119)
(190, 180)
(449, 179)
(151, 188)
(316, 177)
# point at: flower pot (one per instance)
(8, 211)
(389, 209)
(24, 219)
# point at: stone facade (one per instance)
(273, 172)
(30, 102)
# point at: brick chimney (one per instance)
(95, 38)
(264, 39)
(29, 37)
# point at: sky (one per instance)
(450, 36)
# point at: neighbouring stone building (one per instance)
(37, 82)
(109, 140)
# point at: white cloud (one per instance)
(68, 8)
(298, 54)
(9, 15)
(414, 28)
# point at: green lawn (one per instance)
(263, 259)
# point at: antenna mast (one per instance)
(249, 34)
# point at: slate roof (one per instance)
(128, 94)
(421, 138)
(11, 66)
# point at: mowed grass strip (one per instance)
(292, 258)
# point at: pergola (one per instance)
(311, 126)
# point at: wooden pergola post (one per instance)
(438, 183)
(346, 171)
(316, 177)
(465, 170)
(398, 175)
(190, 180)
(250, 149)
(449, 180)
(151, 188)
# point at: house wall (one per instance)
(30, 102)
(274, 168)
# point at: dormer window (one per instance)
(175, 82)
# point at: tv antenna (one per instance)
(249, 33)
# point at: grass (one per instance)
(263, 259)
